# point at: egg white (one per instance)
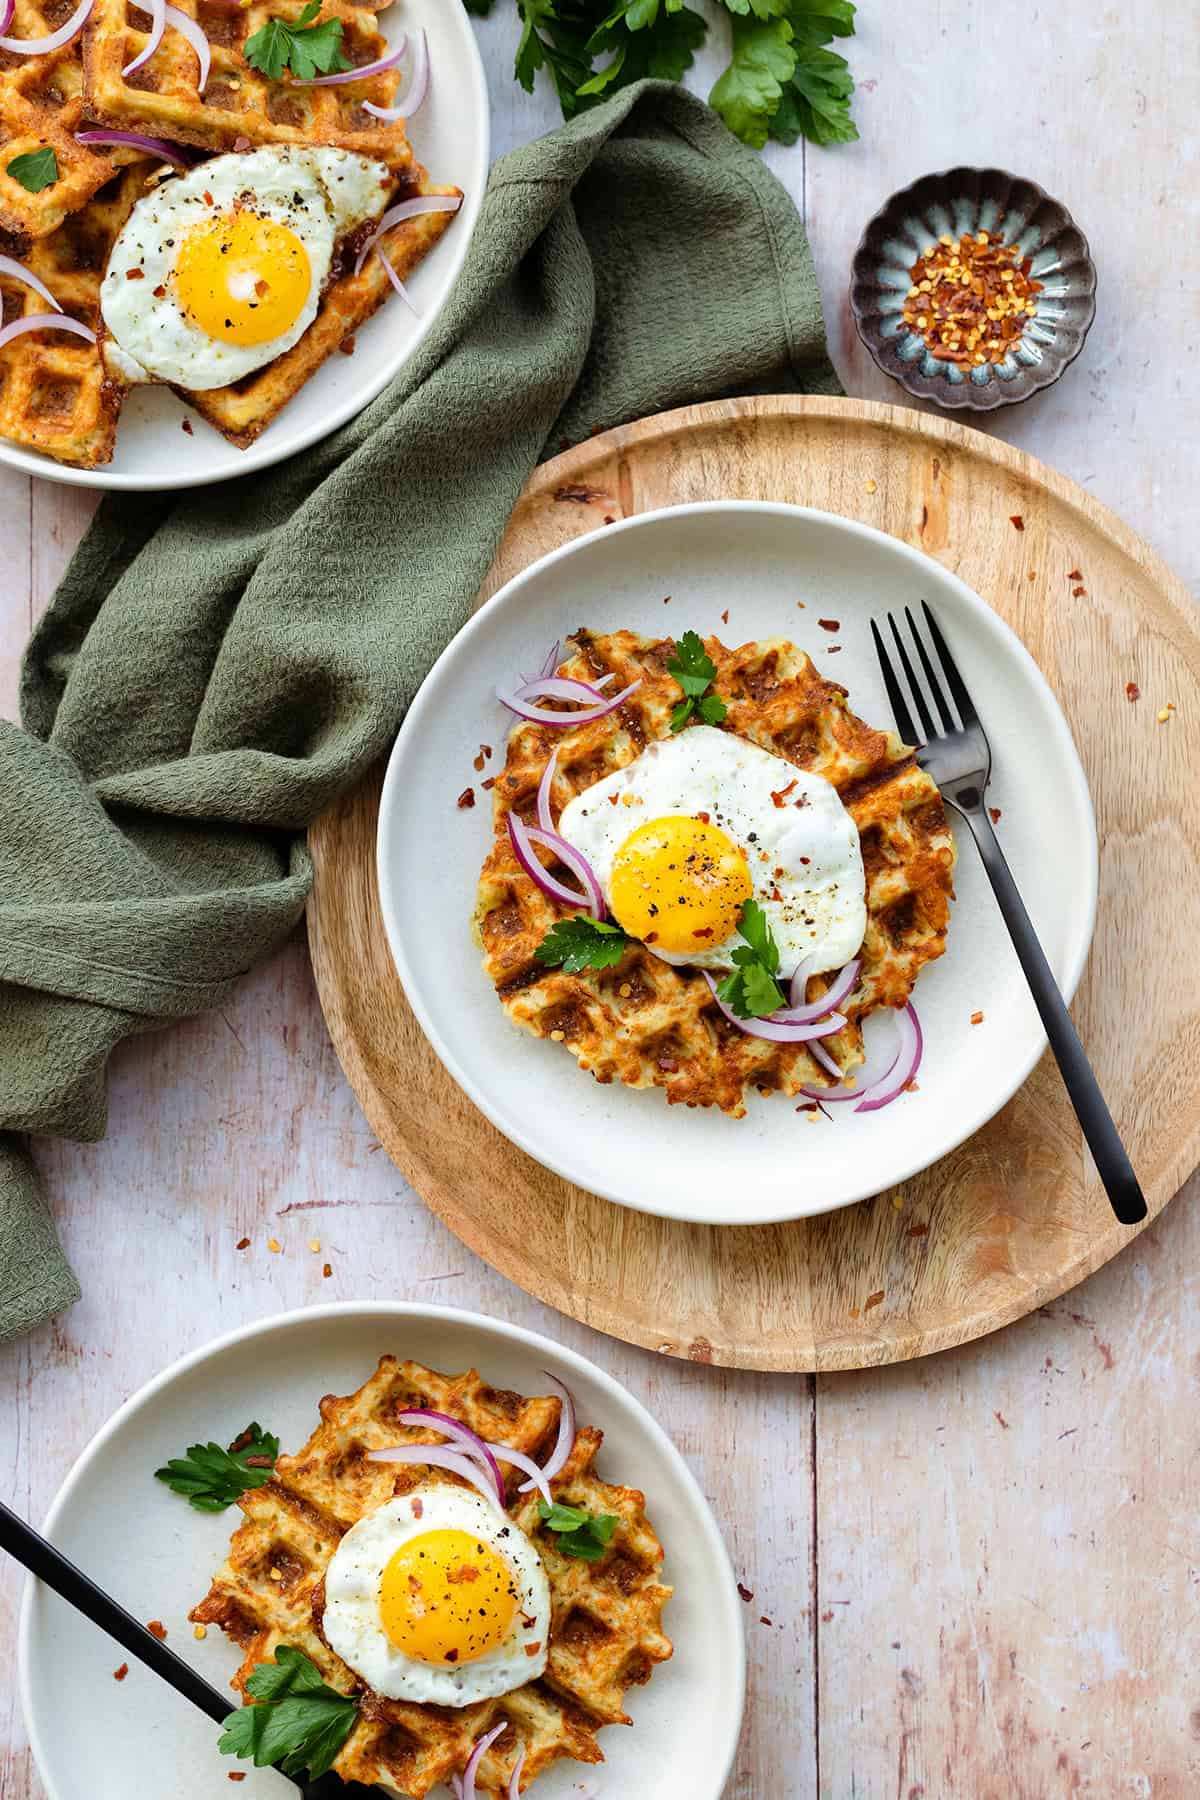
(823, 909)
(353, 1627)
(320, 193)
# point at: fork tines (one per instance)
(950, 678)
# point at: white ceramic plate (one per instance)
(757, 560)
(95, 1740)
(451, 137)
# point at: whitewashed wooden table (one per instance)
(974, 1576)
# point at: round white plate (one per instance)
(757, 561)
(95, 1740)
(451, 136)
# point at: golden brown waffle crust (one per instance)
(606, 1617)
(647, 1023)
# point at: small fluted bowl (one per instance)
(1021, 214)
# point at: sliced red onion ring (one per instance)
(466, 1784)
(55, 40)
(158, 24)
(551, 662)
(545, 817)
(189, 29)
(7, 8)
(565, 1441)
(395, 280)
(771, 1029)
(539, 715)
(514, 1780)
(524, 837)
(878, 1066)
(801, 1012)
(10, 266)
(519, 1460)
(58, 321)
(137, 140)
(439, 1456)
(406, 209)
(417, 91)
(470, 1440)
(363, 71)
(912, 1048)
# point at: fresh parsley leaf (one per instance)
(306, 48)
(748, 94)
(816, 101)
(750, 989)
(583, 1535)
(753, 926)
(582, 943)
(695, 670)
(297, 1724)
(210, 1479)
(36, 169)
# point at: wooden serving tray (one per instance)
(1013, 1217)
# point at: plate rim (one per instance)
(262, 454)
(510, 591)
(718, 1550)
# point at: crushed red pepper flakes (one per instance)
(489, 784)
(1016, 521)
(1074, 574)
(1077, 593)
(327, 1271)
(237, 1775)
(763, 1619)
(834, 649)
(121, 1673)
(745, 1593)
(995, 814)
(1032, 575)
(135, 274)
(242, 1244)
(466, 799)
(917, 1231)
(348, 345)
(977, 1018)
(875, 1299)
(830, 624)
(971, 298)
(725, 617)
(186, 426)
(1002, 1421)
(157, 1629)
(1132, 691)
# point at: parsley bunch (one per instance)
(297, 1723)
(583, 1535)
(782, 80)
(305, 48)
(210, 1479)
(751, 990)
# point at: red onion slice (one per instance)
(565, 1441)
(470, 1440)
(7, 8)
(912, 1048)
(545, 817)
(519, 1460)
(466, 1784)
(540, 715)
(158, 24)
(876, 1069)
(417, 91)
(189, 29)
(58, 321)
(514, 1780)
(406, 209)
(364, 70)
(137, 140)
(523, 837)
(562, 687)
(551, 660)
(801, 1012)
(55, 40)
(439, 1456)
(10, 266)
(771, 1028)
(395, 280)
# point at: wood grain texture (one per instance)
(1013, 1217)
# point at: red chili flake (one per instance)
(612, 799)
(779, 796)
(704, 818)
(763, 1619)
(208, 199)
(532, 1649)
(135, 274)
(468, 1572)
(725, 617)
(414, 1586)
(834, 649)
(159, 291)
(1074, 574)
(489, 784)
(186, 426)
(875, 1299)
(242, 1244)
(121, 1673)
(418, 1507)
(157, 1629)
(830, 624)
(348, 345)
(452, 1656)
(706, 931)
(467, 798)
(995, 815)
(327, 1271)
(745, 1593)
(1132, 691)
(1016, 521)
(1077, 593)
(917, 1231)
(1031, 575)
(801, 605)
(1002, 1421)
(776, 896)
(236, 1775)
(977, 1018)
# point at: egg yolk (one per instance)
(242, 278)
(447, 1598)
(679, 884)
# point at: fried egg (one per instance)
(221, 270)
(700, 823)
(438, 1598)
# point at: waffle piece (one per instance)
(643, 1021)
(605, 1630)
(41, 102)
(239, 105)
(244, 409)
(55, 394)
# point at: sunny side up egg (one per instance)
(700, 823)
(220, 271)
(438, 1598)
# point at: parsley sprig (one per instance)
(695, 671)
(582, 943)
(210, 1479)
(751, 989)
(782, 80)
(35, 169)
(581, 1534)
(305, 48)
(297, 1723)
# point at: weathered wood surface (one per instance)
(980, 1570)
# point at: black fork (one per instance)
(957, 754)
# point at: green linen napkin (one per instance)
(215, 669)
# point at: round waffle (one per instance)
(642, 1021)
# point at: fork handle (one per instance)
(1115, 1169)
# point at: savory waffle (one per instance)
(605, 1632)
(242, 410)
(41, 102)
(643, 1021)
(240, 106)
(55, 393)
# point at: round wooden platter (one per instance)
(1015, 1216)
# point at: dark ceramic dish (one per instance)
(955, 201)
